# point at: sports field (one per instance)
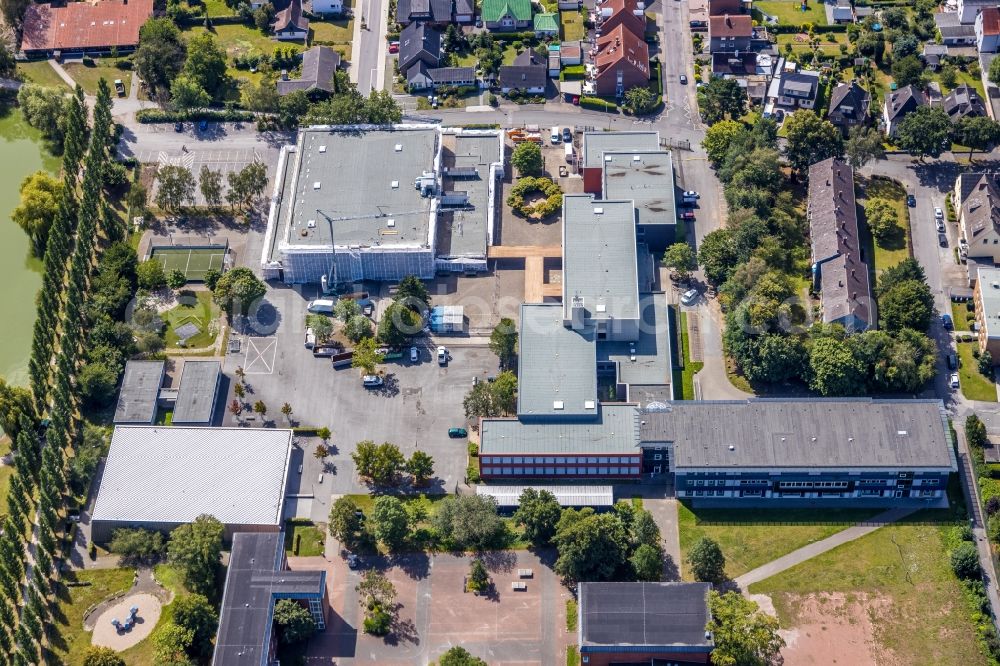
(194, 262)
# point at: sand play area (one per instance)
(105, 634)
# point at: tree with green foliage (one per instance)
(45, 109)
(102, 656)
(421, 467)
(41, 195)
(908, 304)
(718, 253)
(538, 512)
(210, 184)
(640, 100)
(707, 562)
(503, 341)
(907, 71)
(366, 356)
(160, 56)
(377, 595)
(965, 561)
(863, 145)
(591, 547)
(176, 187)
(295, 622)
(834, 370)
(489, 399)
(195, 549)
(176, 279)
(412, 292)
(206, 63)
(924, 132)
(743, 635)
(345, 308)
(186, 93)
(479, 577)
(882, 218)
(719, 137)
(345, 522)
(238, 290)
(459, 656)
(720, 99)
(470, 521)
(380, 464)
(681, 258)
(97, 382)
(172, 643)
(977, 132)
(381, 108)
(137, 546)
(389, 521)
(527, 159)
(647, 563)
(398, 324)
(246, 185)
(975, 432)
(810, 139)
(262, 96)
(358, 328)
(193, 612)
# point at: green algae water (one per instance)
(21, 153)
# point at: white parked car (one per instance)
(954, 380)
(938, 213)
(940, 225)
(442, 353)
(414, 354)
(691, 194)
(371, 381)
(689, 296)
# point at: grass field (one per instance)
(788, 12)
(201, 312)
(193, 262)
(72, 641)
(894, 249)
(685, 377)
(974, 385)
(905, 566)
(829, 43)
(311, 539)
(752, 537)
(958, 312)
(572, 26)
(88, 75)
(40, 72)
(6, 471)
(143, 654)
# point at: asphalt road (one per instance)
(369, 48)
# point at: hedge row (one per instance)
(598, 104)
(573, 73)
(161, 116)
(792, 29)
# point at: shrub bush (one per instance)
(525, 186)
(146, 116)
(598, 104)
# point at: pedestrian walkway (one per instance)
(819, 547)
(63, 74)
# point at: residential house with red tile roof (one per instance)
(622, 62)
(988, 30)
(614, 13)
(82, 27)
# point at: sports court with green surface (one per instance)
(194, 262)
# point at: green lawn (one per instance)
(572, 26)
(904, 566)
(465, 59)
(238, 39)
(41, 73)
(311, 538)
(829, 43)
(894, 249)
(752, 537)
(201, 313)
(217, 8)
(685, 377)
(88, 75)
(143, 654)
(73, 602)
(340, 31)
(788, 12)
(974, 385)
(958, 312)
(509, 53)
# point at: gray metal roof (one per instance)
(173, 474)
(197, 392)
(647, 178)
(805, 433)
(361, 181)
(318, 67)
(989, 290)
(140, 388)
(254, 579)
(595, 144)
(464, 233)
(574, 495)
(557, 373)
(644, 614)
(599, 258)
(615, 430)
(651, 364)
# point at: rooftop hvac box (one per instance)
(447, 319)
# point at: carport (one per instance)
(508, 497)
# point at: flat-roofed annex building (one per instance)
(197, 393)
(140, 391)
(160, 477)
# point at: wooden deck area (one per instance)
(524, 251)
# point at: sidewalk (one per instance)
(819, 547)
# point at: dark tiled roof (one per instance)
(732, 63)
(903, 101)
(444, 74)
(318, 66)
(799, 82)
(729, 25)
(528, 71)
(980, 206)
(438, 11)
(963, 101)
(291, 17)
(419, 41)
(849, 100)
(657, 615)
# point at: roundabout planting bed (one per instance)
(535, 198)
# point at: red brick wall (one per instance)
(608, 658)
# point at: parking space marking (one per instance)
(261, 353)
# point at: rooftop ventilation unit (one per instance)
(390, 223)
(311, 224)
(598, 211)
(558, 404)
(322, 149)
(394, 184)
(589, 404)
(398, 148)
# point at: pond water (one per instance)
(21, 153)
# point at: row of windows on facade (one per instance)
(765, 481)
(805, 484)
(557, 471)
(760, 493)
(575, 460)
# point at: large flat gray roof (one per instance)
(806, 433)
(650, 364)
(464, 232)
(595, 144)
(139, 393)
(366, 178)
(614, 430)
(989, 289)
(173, 474)
(599, 257)
(557, 372)
(647, 178)
(197, 391)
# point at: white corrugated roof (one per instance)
(565, 495)
(173, 475)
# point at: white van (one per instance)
(569, 153)
(323, 305)
(556, 136)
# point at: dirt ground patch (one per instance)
(836, 628)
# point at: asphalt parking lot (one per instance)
(414, 409)
(195, 157)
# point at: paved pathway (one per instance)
(819, 547)
(664, 512)
(63, 74)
